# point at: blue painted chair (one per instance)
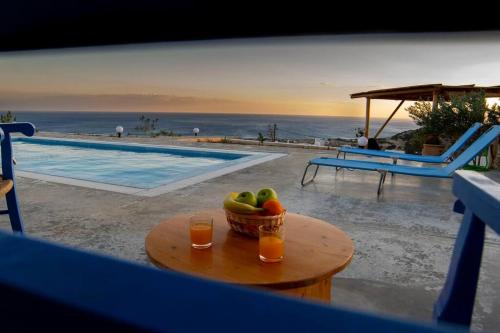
(383, 168)
(8, 182)
(444, 157)
(478, 198)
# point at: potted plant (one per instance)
(432, 145)
(432, 124)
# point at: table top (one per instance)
(314, 250)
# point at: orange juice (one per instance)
(201, 234)
(271, 248)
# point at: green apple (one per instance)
(248, 198)
(266, 194)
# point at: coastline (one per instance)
(392, 143)
(210, 125)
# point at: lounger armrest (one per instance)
(27, 129)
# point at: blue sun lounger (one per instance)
(444, 157)
(441, 172)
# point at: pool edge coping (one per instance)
(137, 144)
(162, 189)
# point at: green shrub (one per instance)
(450, 119)
(415, 142)
(147, 124)
(261, 138)
(163, 133)
(7, 118)
(168, 133)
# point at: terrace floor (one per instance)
(403, 240)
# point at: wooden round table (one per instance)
(314, 252)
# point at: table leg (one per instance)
(320, 290)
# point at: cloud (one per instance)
(107, 102)
(17, 101)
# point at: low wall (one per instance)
(279, 144)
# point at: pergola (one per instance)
(426, 92)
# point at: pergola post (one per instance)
(435, 95)
(367, 120)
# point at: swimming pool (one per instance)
(139, 169)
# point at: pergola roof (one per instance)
(426, 92)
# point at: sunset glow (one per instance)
(299, 76)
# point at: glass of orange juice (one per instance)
(200, 231)
(271, 243)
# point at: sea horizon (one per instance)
(2, 111)
(210, 124)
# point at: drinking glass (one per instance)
(200, 231)
(271, 243)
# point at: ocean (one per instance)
(231, 125)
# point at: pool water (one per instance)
(130, 165)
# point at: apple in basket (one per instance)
(265, 203)
(245, 211)
(248, 198)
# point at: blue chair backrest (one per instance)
(461, 141)
(27, 129)
(478, 199)
(474, 149)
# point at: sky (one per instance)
(292, 75)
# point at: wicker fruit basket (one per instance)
(249, 224)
